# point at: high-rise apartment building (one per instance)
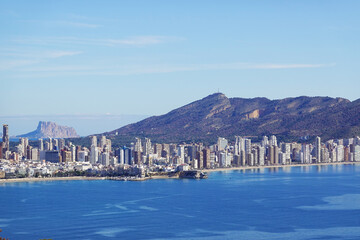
(261, 154)
(318, 149)
(61, 144)
(94, 141)
(56, 144)
(41, 145)
(265, 141)
(137, 158)
(239, 145)
(108, 145)
(157, 149)
(94, 154)
(127, 156)
(102, 142)
(339, 153)
(305, 154)
(273, 141)
(50, 144)
(65, 156)
(206, 157)
(138, 147)
(222, 143)
(247, 145)
(147, 147)
(5, 139)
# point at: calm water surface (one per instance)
(317, 202)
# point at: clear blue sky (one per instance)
(148, 57)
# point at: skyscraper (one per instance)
(239, 145)
(206, 157)
(181, 153)
(200, 159)
(105, 159)
(102, 142)
(306, 156)
(127, 155)
(50, 144)
(191, 152)
(261, 154)
(271, 157)
(41, 145)
(357, 153)
(94, 141)
(61, 143)
(222, 143)
(138, 147)
(265, 141)
(121, 156)
(286, 149)
(108, 145)
(157, 149)
(148, 147)
(94, 154)
(318, 149)
(56, 144)
(247, 145)
(273, 140)
(137, 158)
(5, 138)
(73, 152)
(339, 153)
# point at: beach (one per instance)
(277, 166)
(16, 180)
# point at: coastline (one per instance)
(18, 180)
(75, 178)
(277, 166)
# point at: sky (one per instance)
(110, 59)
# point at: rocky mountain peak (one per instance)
(51, 129)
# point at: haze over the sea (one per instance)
(83, 124)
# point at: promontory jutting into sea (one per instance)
(144, 159)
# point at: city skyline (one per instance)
(119, 58)
(141, 158)
(160, 119)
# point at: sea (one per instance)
(297, 203)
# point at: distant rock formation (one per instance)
(51, 129)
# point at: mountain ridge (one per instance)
(216, 115)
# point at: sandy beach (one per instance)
(15, 180)
(277, 166)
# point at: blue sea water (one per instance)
(300, 203)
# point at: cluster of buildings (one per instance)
(52, 155)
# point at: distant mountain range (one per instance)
(216, 115)
(51, 129)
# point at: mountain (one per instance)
(216, 115)
(51, 129)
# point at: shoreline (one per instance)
(18, 180)
(277, 166)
